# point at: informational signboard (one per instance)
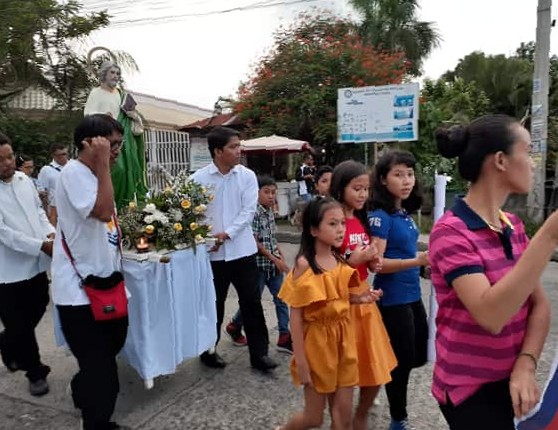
(387, 113)
(199, 153)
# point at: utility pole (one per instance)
(539, 110)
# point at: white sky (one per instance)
(194, 55)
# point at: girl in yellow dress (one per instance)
(318, 293)
(350, 185)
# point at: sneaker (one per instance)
(400, 425)
(285, 343)
(236, 335)
(38, 387)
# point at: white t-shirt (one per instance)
(93, 243)
(48, 177)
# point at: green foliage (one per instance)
(36, 48)
(392, 25)
(505, 80)
(293, 89)
(34, 138)
(444, 103)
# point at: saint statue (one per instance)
(128, 175)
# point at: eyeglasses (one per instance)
(117, 144)
(60, 154)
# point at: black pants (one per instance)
(408, 332)
(95, 345)
(22, 305)
(243, 274)
(490, 408)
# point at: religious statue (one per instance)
(129, 173)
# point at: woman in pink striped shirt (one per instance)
(493, 315)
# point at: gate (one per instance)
(167, 154)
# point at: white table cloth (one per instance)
(172, 314)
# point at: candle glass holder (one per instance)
(142, 244)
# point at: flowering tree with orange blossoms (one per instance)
(293, 88)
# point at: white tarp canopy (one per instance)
(275, 144)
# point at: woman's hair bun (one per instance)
(451, 141)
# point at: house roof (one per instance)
(225, 119)
(157, 112)
(32, 98)
(167, 113)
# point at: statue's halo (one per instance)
(90, 57)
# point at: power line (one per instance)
(170, 18)
(176, 17)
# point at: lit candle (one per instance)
(142, 245)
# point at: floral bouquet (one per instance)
(171, 219)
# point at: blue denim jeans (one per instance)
(306, 197)
(282, 310)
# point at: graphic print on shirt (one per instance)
(356, 240)
(112, 232)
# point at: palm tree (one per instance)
(392, 25)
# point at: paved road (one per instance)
(199, 398)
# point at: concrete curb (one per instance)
(294, 238)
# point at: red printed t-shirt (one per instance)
(468, 356)
(355, 235)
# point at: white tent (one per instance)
(274, 144)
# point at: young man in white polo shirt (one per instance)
(87, 221)
(233, 259)
(25, 250)
(48, 176)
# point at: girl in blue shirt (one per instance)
(395, 195)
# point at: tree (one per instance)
(392, 25)
(505, 80)
(446, 103)
(37, 47)
(293, 89)
(38, 40)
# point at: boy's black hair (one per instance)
(322, 170)
(265, 181)
(57, 146)
(93, 126)
(21, 159)
(5, 140)
(219, 137)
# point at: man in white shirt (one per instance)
(87, 221)
(48, 176)
(233, 259)
(25, 250)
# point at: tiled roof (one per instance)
(225, 119)
(32, 98)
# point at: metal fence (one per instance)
(167, 153)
